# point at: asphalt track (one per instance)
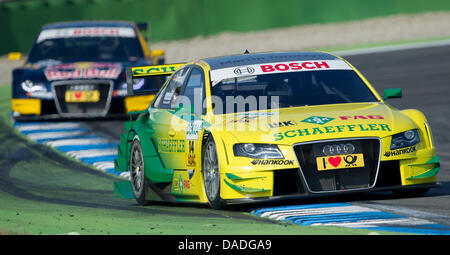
(423, 74)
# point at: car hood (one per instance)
(309, 123)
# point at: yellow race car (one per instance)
(255, 127)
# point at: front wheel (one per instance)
(211, 174)
(137, 173)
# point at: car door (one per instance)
(189, 116)
(193, 98)
(168, 139)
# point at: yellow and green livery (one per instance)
(255, 127)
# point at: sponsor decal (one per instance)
(155, 70)
(331, 129)
(277, 67)
(86, 32)
(362, 117)
(295, 66)
(322, 120)
(187, 184)
(247, 117)
(399, 152)
(244, 119)
(282, 124)
(180, 184)
(72, 96)
(191, 173)
(350, 160)
(170, 145)
(341, 161)
(83, 71)
(244, 70)
(253, 115)
(279, 162)
(193, 129)
(318, 120)
(190, 156)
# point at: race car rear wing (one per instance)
(135, 83)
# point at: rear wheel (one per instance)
(211, 174)
(137, 173)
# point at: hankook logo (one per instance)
(272, 162)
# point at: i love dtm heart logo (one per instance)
(334, 161)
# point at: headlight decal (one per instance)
(405, 139)
(258, 151)
(30, 86)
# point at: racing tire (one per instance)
(139, 182)
(211, 174)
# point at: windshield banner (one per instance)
(86, 32)
(277, 67)
(83, 71)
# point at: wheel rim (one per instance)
(136, 168)
(211, 174)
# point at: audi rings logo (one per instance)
(244, 70)
(338, 149)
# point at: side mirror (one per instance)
(157, 53)
(392, 93)
(158, 57)
(14, 56)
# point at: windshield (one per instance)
(290, 89)
(76, 49)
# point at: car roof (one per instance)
(87, 23)
(260, 58)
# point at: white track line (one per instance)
(76, 141)
(104, 165)
(378, 223)
(55, 135)
(47, 126)
(92, 153)
(282, 215)
(125, 175)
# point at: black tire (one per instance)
(137, 174)
(211, 174)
